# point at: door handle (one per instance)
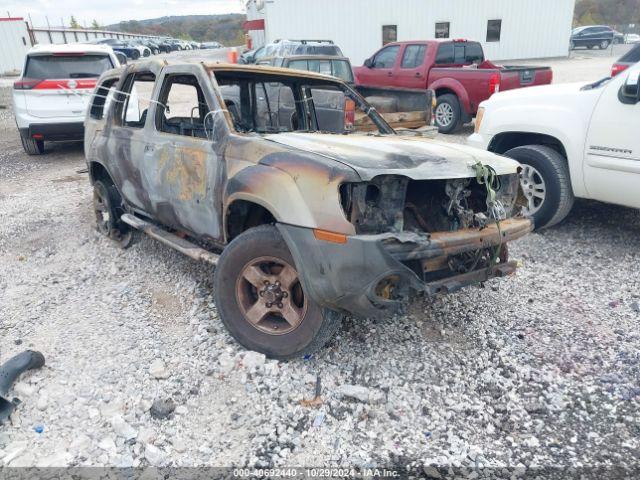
(418, 74)
(390, 74)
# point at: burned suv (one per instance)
(264, 173)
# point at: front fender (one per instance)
(291, 199)
(567, 126)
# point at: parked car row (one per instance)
(600, 36)
(144, 47)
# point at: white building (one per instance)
(508, 29)
(14, 44)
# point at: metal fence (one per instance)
(46, 36)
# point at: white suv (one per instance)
(51, 97)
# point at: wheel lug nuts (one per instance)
(279, 305)
(277, 283)
(285, 294)
(269, 304)
(262, 293)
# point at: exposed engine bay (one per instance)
(398, 204)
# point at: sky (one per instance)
(112, 11)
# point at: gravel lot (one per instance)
(536, 374)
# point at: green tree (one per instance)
(74, 23)
(95, 25)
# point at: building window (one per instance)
(442, 29)
(389, 34)
(493, 30)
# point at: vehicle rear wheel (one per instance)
(135, 55)
(572, 45)
(448, 116)
(107, 206)
(32, 146)
(590, 47)
(261, 300)
(604, 44)
(546, 185)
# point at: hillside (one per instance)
(226, 29)
(619, 13)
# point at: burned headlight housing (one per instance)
(376, 206)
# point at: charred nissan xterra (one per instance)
(261, 171)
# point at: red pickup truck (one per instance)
(455, 69)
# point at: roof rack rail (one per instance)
(305, 40)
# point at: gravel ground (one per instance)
(536, 374)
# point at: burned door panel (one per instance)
(181, 160)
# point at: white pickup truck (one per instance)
(573, 140)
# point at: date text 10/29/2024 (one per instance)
(321, 472)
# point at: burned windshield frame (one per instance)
(297, 84)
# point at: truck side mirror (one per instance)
(629, 92)
(368, 63)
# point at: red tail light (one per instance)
(349, 114)
(494, 83)
(617, 68)
(26, 83)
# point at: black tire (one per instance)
(572, 45)
(318, 324)
(32, 146)
(604, 44)
(452, 104)
(590, 47)
(554, 171)
(110, 225)
(135, 55)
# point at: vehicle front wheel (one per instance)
(448, 115)
(572, 45)
(32, 146)
(604, 44)
(261, 300)
(107, 206)
(546, 185)
(135, 55)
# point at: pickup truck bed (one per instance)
(456, 70)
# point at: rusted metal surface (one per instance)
(174, 241)
(387, 193)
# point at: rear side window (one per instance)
(473, 53)
(66, 66)
(445, 54)
(135, 99)
(337, 68)
(387, 57)
(631, 56)
(103, 98)
(413, 56)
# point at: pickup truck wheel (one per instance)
(107, 206)
(261, 301)
(545, 182)
(32, 146)
(447, 113)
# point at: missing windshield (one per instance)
(275, 104)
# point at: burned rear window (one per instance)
(67, 66)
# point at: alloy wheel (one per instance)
(444, 114)
(270, 295)
(533, 188)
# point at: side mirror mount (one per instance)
(368, 63)
(630, 91)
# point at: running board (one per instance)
(174, 241)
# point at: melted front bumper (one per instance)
(347, 277)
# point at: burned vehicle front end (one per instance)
(433, 227)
